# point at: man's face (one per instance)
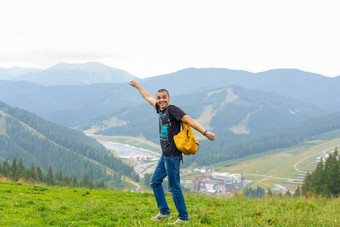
(163, 99)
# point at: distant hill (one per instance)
(73, 74)
(24, 135)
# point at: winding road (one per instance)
(319, 152)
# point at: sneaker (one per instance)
(179, 221)
(161, 217)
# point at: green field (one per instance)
(266, 170)
(28, 205)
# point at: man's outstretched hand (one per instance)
(133, 83)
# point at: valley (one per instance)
(283, 167)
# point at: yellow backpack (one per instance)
(185, 140)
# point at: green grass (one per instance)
(27, 205)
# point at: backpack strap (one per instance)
(172, 132)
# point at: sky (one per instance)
(153, 37)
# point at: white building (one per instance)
(227, 177)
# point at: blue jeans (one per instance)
(169, 166)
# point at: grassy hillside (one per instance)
(40, 206)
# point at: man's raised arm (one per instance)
(146, 95)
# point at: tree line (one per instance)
(16, 171)
(254, 192)
(325, 179)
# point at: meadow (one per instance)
(277, 166)
(38, 205)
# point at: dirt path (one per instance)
(301, 171)
(134, 183)
(266, 176)
(242, 127)
(260, 181)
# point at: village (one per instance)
(218, 183)
(209, 182)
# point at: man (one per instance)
(170, 118)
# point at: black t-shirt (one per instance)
(166, 133)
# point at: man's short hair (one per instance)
(163, 90)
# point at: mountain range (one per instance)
(239, 106)
(68, 74)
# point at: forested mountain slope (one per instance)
(24, 135)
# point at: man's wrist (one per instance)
(205, 132)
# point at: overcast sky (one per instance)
(153, 37)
